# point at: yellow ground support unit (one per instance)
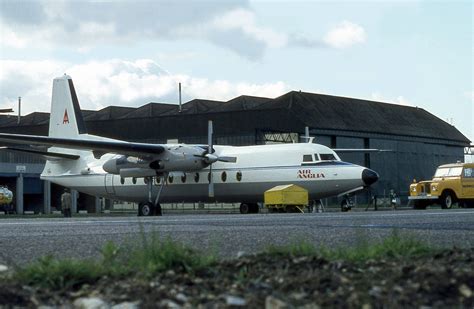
(286, 198)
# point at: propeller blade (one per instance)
(211, 182)
(227, 159)
(209, 136)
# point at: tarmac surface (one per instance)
(25, 239)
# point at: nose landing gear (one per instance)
(151, 208)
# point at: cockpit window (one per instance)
(307, 158)
(327, 157)
(316, 156)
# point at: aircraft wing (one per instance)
(99, 147)
(360, 150)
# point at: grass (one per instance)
(156, 255)
(395, 246)
(153, 256)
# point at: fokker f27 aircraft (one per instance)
(153, 173)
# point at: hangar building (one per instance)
(419, 140)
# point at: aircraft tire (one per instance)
(254, 208)
(244, 208)
(345, 205)
(158, 211)
(145, 209)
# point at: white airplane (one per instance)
(153, 173)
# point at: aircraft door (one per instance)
(109, 184)
(468, 182)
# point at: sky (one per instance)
(129, 53)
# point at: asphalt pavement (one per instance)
(26, 239)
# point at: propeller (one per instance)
(210, 158)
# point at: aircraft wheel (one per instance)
(145, 209)
(158, 210)
(345, 205)
(254, 208)
(447, 200)
(244, 208)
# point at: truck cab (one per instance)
(451, 183)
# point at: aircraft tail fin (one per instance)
(66, 118)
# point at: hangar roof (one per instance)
(316, 111)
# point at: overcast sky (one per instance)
(129, 53)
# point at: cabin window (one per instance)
(224, 176)
(145, 180)
(183, 178)
(239, 176)
(316, 157)
(196, 177)
(209, 177)
(327, 157)
(307, 158)
(122, 181)
(157, 180)
(170, 179)
(469, 172)
(134, 180)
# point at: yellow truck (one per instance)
(451, 183)
(286, 198)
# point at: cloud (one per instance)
(344, 35)
(85, 24)
(116, 82)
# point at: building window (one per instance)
(183, 178)
(239, 176)
(196, 177)
(307, 158)
(224, 176)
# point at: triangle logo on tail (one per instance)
(66, 117)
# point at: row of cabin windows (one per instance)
(319, 157)
(157, 180)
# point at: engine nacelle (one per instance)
(137, 172)
(179, 158)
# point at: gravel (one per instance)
(444, 280)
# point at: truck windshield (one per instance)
(453, 171)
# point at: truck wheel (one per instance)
(447, 200)
(145, 209)
(419, 205)
(244, 208)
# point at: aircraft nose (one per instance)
(369, 176)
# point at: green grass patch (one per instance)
(154, 255)
(395, 246)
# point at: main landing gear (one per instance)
(151, 208)
(249, 208)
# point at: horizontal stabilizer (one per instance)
(102, 146)
(43, 153)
